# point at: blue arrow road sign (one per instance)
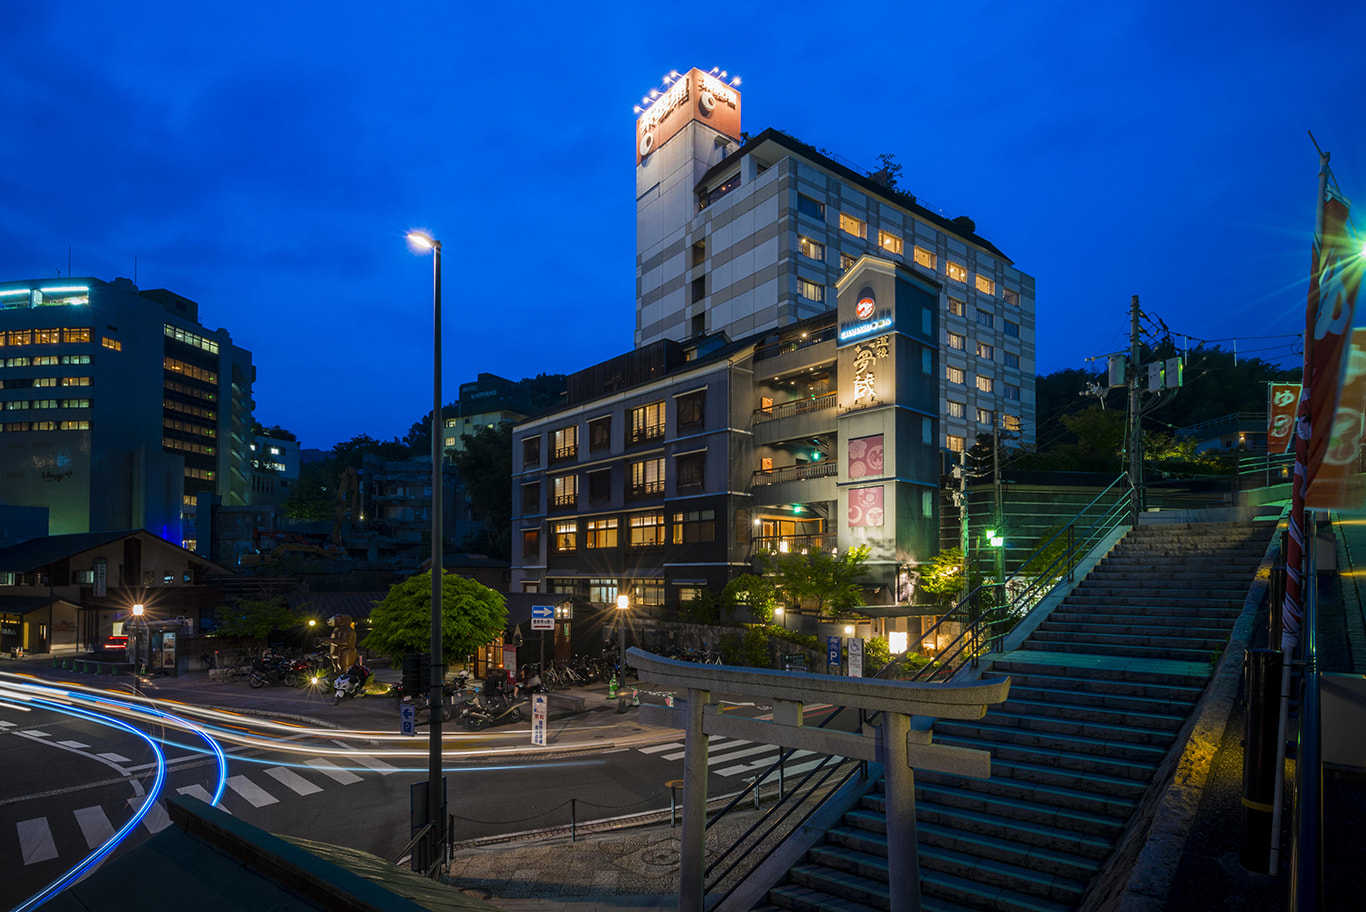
(542, 617)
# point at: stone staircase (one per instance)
(1098, 694)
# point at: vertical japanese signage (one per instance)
(538, 719)
(693, 96)
(1282, 400)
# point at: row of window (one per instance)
(646, 423)
(190, 370)
(16, 405)
(43, 382)
(189, 427)
(643, 531)
(959, 342)
(111, 344)
(53, 336)
(958, 377)
(171, 443)
(893, 244)
(201, 474)
(984, 416)
(15, 426)
(175, 387)
(190, 338)
(198, 410)
(45, 360)
(645, 478)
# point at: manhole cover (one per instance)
(660, 857)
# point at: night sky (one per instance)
(266, 160)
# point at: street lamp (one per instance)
(140, 627)
(435, 793)
(623, 603)
(781, 616)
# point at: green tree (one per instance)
(758, 593)
(485, 469)
(253, 619)
(472, 615)
(828, 580)
(943, 576)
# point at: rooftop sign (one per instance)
(705, 97)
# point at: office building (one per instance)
(120, 409)
(741, 235)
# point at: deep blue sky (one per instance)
(265, 160)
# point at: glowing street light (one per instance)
(623, 605)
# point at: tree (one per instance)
(472, 616)
(314, 497)
(943, 576)
(826, 579)
(253, 619)
(758, 593)
(484, 465)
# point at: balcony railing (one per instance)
(645, 489)
(795, 407)
(560, 501)
(645, 545)
(795, 544)
(822, 469)
(560, 454)
(783, 346)
(642, 434)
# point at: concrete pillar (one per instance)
(903, 861)
(693, 848)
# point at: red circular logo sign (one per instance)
(864, 309)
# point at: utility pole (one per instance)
(963, 516)
(999, 522)
(1135, 433)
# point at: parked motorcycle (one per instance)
(351, 684)
(494, 706)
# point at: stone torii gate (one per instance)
(893, 744)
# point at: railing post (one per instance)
(693, 840)
(903, 877)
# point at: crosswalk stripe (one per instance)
(715, 745)
(38, 733)
(287, 777)
(114, 758)
(253, 793)
(156, 820)
(656, 748)
(375, 764)
(198, 791)
(94, 824)
(797, 769)
(35, 841)
(5, 724)
(327, 768)
(75, 744)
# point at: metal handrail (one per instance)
(1306, 853)
(795, 407)
(1031, 589)
(823, 469)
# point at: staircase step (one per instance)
(1087, 611)
(1020, 718)
(1178, 653)
(1105, 688)
(1178, 637)
(1102, 800)
(1134, 626)
(800, 898)
(992, 873)
(1035, 812)
(985, 896)
(1120, 787)
(1062, 864)
(1123, 668)
(1086, 699)
(1137, 769)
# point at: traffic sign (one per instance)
(538, 719)
(407, 714)
(832, 652)
(542, 617)
(855, 657)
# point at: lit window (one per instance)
(809, 248)
(985, 351)
(890, 242)
(647, 477)
(810, 290)
(45, 381)
(531, 544)
(957, 409)
(985, 285)
(565, 536)
(1010, 422)
(565, 443)
(601, 533)
(956, 307)
(647, 422)
(74, 425)
(856, 227)
(958, 272)
(1012, 329)
(957, 342)
(985, 384)
(923, 257)
(190, 338)
(647, 530)
(984, 416)
(1012, 297)
(1012, 391)
(955, 443)
(72, 359)
(694, 526)
(566, 490)
(955, 374)
(847, 260)
(1012, 359)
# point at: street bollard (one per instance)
(612, 688)
(635, 697)
(1262, 678)
(573, 821)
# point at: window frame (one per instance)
(957, 272)
(810, 248)
(891, 243)
(848, 222)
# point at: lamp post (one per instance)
(623, 603)
(781, 616)
(435, 793)
(140, 628)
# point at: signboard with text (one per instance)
(693, 96)
(542, 617)
(832, 652)
(855, 657)
(538, 719)
(407, 719)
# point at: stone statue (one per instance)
(342, 642)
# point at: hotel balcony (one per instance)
(796, 483)
(793, 355)
(807, 417)
(795, 544)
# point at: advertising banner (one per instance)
(1282, 400)
(538, 719)
(865, 507)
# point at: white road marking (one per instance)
(374, 763)
(72, 744)
(287, 777)
(712, 747)
(95, 825)
(198, 791)
(37, 733)
(35, 841)
(345, 777)
(253, 793)
(113, 757)
(656, 748)
(156, 820)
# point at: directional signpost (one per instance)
(832, 653)
(407, 714)
(542, 617)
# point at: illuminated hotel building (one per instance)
(809, 343)
(120, 410)
(745, 236)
